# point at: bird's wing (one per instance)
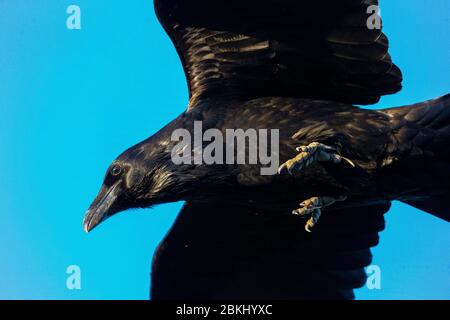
(244, 49)
(220, 251)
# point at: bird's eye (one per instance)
(116, 170)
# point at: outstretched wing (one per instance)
(220, 251)
(243, 49)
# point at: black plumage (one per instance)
(248, 49)
(296, 66)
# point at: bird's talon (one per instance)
(282, 169)
(350, 162)
(314, 207)
(312, 153)
(309, 225)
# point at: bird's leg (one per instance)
(314, 207)
(311, 153)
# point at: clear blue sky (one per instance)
(72, 100)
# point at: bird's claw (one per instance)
(314, 207)
(311, 153)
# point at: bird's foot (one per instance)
(311, 153)
(314, 207)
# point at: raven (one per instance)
(299, 67)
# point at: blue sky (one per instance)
(72, 100)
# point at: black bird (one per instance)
(300, 67)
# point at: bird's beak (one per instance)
(101, 208)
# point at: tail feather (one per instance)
(418, 156)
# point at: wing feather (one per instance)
(245, 49)
(224, 251)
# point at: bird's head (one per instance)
(141, 177)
